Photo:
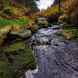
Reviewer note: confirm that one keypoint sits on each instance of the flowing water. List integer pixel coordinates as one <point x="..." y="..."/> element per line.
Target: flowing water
<point x="55" y="56"/>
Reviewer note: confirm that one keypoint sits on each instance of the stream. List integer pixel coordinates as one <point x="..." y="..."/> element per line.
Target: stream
<point x="55" y="56"/>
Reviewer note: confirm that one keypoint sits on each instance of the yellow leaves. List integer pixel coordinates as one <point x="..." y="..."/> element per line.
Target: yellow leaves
<point x="15" y="28"/>
<point x="63" y="18"/>
<point x="52" y="10"/>
<point x="30" y="25"/>
<point x="5" y="29"/>
<point x="3" y="33"/>
<point x="67" y="35"/>
<point x="70" y="8"/>
<point x="17" y="11"/>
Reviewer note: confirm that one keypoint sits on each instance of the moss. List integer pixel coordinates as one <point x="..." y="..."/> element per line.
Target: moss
<point x="73" y="30"/>
<point x="18" y="58"/>
<point x="69" y="32"/>
<point x="20" y="21"/>
<point x="4" y="70"/>
<point x="14" y="46"/>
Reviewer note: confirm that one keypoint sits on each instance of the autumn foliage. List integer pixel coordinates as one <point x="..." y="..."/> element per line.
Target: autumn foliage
<point x="70" y="8"/>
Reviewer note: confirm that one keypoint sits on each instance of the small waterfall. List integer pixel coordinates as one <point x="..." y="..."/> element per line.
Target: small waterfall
<point x="30" y="73"/>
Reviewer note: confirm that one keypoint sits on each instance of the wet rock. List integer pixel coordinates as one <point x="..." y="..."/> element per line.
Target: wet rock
<point x="15" y="54"/>
<point x="34" y="28"/>
<point x="15" y="59"/>
<point x="42" y="22"/>
<point x="22" y="33"/>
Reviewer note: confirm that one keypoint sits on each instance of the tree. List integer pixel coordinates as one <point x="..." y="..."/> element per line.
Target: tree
<point x="28" y="3"/>
<point x="5" y="3"/>
<point x="71" y="10"/>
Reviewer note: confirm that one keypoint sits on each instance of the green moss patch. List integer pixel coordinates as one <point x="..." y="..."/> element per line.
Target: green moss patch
<point x="15" y="59"/>
<point x="20" y="21"/>
<point x="14" y="47"/>
<point x="73" y="30"/>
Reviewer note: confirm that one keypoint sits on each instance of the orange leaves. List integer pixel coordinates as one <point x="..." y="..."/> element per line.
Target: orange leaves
<point x="67" y="35"/>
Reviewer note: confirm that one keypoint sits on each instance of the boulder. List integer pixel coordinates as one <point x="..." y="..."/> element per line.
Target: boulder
<point x="24" y="33"/>
<point x="15" y="60"/>
<point x="35" y="28"/>
<point x="42" y="22"/>
<point x="32" y="26"/>
<point x="15" y="55"/>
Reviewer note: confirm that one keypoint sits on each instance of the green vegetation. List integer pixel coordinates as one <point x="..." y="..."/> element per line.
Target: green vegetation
<point x="51" y="11"/>
<point x="20" y="21"/>
<point x="29" y="4"/>
<point x="73" y="30"/>
<point x="4" y="70"/>
<point x="15" y="59"/>
<point x="6" y="3"/>
<point x="69" y="32"/>
<point x="14" y="46"/>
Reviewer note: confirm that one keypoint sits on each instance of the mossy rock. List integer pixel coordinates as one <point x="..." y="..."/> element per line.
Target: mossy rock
<point x="4" y="70"/>
<point x="42" y="22"/>
<point x="24" y="33"/>
<point x="70" y="32"/>
<point x="14" y="47"/>
<point x="18" y="58"/>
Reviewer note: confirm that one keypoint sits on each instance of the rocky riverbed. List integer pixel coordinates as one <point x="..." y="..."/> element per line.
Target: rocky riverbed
<point x="56" y="57"/>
